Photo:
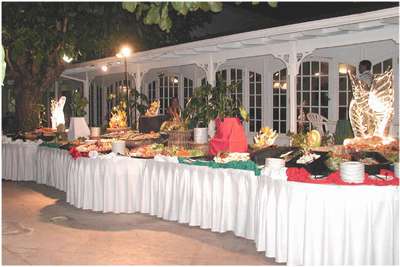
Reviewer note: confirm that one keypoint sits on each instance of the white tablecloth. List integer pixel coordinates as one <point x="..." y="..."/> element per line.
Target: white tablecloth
<point x="217" y="199"/>
<point x="19" y="161"/>
<point x="105" y="184"/>
<point x="52" y="167"/>
<point x="301" y="224"/>
<point x="310" y="224"/>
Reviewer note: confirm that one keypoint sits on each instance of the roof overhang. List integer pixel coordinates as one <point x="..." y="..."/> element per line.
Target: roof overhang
<point x="345" y="30"/>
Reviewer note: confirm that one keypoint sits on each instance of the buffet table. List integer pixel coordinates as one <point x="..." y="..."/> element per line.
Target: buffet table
<point x="293" y="222"/>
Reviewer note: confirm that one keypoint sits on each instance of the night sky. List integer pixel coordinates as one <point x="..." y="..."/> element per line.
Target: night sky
<point x="289" y="13"/>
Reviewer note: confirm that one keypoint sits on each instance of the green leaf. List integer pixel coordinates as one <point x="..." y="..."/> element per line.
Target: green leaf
<point x="204" y="6"/>
<point x="180" y="7"/>
<point x="129" y="6"/>
<point x="255" y="3"/>
<point x="273" y="4"/>
<point x="153" y="15"/>
<point x="166" y="22"/>
<point x="215" y="6"/>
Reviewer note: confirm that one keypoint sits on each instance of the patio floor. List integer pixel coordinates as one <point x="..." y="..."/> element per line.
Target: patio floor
<point x="39" y="227"/>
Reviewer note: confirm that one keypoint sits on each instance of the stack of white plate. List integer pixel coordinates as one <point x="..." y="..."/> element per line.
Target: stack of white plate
<point x="396" y="169"/>
<point x="274" y="163"/>
<point x="352" y="172"/>
<point x="118" y="147"/>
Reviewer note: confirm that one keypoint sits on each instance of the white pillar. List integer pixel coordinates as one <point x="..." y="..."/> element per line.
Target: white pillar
<point x="56" y="91"/>
<point x="211" y="72"/>
<point x="86" y="85"/>
<point x="292" y="71"/>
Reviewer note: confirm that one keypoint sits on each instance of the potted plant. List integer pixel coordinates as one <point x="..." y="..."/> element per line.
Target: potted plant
<point x="78" y="126"/>
<point x="198" y="113"/>
<point x="229" y="113"/>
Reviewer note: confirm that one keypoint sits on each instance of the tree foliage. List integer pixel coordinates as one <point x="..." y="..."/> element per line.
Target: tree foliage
<point x="36" y="35"/>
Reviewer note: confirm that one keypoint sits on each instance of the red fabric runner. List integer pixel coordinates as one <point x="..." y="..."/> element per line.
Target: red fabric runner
<point x="303" y="176"/>
<point x="229" y="137"/>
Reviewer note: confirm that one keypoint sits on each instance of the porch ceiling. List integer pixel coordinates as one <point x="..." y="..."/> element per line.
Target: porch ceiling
<point x="313" y="34"/>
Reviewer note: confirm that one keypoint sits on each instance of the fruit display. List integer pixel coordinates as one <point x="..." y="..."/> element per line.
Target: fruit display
<point x="313" y="138"/>
<point x="154" y="109"/>
<point x="118" y="116"/>
<point x="174" y="125"/>
<point x="150" y="151"/>
<point x="225" y="157"/>
<point x="102" y="146"/>
<point x="266" y="137"/>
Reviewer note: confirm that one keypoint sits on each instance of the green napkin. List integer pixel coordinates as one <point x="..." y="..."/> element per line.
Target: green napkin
<point x="240" y="165"/>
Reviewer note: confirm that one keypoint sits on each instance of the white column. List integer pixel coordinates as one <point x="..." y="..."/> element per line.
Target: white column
<point x="86" y="85"/>
<point x="292" y="71"/>
<point x="211" y="72"/>
<point x="56" y="91"/>
<point x="267" y="92"/>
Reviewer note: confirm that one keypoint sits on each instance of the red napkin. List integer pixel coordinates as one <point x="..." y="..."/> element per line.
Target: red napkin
<point x="76" y="154"/>
<point x="303" y="176"/>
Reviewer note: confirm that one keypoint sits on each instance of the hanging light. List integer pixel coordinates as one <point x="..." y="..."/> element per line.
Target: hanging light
<point x="67" y="58"/>
<point x="104" y="68"/>
<point x="125" y="51"/>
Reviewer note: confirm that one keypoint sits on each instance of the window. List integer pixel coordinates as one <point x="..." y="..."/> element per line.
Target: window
<point x="151" y="93"/>
<point x="345" y="90"/>
<point x="255" y="107"/>
<point x="187" y="90"/>
<point x="279" y="105"/>
<point x="312" y="90"/>
<point x="230" y="76"/>
<point x="168" y="89"/>
<point x="237" y="78"/>
<point x="383" y="66"/>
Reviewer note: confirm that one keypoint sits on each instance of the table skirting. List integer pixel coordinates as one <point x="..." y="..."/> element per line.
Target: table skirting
<point x="297" y="223"/>
<point x="19" y="161"/>
<point x="311" y="224"/>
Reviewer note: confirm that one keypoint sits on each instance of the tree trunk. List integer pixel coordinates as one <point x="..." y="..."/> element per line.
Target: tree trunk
<point x="27" y="103"/>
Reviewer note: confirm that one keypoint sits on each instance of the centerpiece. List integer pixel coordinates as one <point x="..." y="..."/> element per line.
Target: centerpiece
<point x="118" y="121"/>
<point x="78" y="126"/>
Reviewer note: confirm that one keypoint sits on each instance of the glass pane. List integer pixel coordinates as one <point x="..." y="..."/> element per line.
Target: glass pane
<point x="283" y="127"/>
<point x="387" y="64"/>
<point x="315" y="83"/>
<point x="276" y="114"/>
<point x="276" y="100"/>
<point x="324" y="112"/>
<point x="349" y="97"/>
<point x="251" y="101"/>
<point x="298" y="99"/>
<point x="315" y="99"/>
<point x="306" y="68"/>
<point x="275" y="76"/>
<point x="315" y="110"/>
<point x="233" y="75"/>
<point x="306" y="84"/>
<point x="251" y="126"/>
<point x="377" y="68"/>
<point x="251" y="113"/>
<point x="324" y="99"/>
<point x="251" y="77"/>
<point x="258" y="88"/>
<point x="324" y="83"/>
<point x="283" y="75"/>
<point x="239" y="74"/>
<point x="306" y="99"/>
<point x="342" y="113"/>
<point x="258" y="101"/>
<point x="298" y="83"/>
<point x="315" y="68"/>
<point x="258" y="126"/>
<point x="324" y="68"/>
<point x="283" y="114"/>
<point x="342" y="84"/>
<point x="251" y="88"/>
<point x="258" y="113"/>
<point x="283" y="100"/>
<point x="342" y="99"/>
<point x="258" y="77"/>
<point x="276" y="126"/>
